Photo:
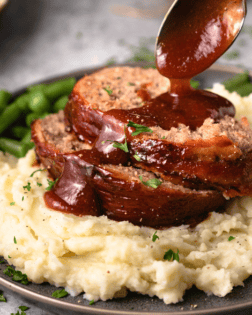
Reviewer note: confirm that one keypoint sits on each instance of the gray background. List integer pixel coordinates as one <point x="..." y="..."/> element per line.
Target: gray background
<point x="40" y="39"/>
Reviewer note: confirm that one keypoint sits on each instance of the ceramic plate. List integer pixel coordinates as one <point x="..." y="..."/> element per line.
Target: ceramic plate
<point x="239" y="301"/>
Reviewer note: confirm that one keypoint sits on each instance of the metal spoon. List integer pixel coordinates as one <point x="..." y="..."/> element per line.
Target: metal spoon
<point x="195" y="33"/>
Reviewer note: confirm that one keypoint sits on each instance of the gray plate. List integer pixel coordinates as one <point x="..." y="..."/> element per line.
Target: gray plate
<point x="239" y="301"/>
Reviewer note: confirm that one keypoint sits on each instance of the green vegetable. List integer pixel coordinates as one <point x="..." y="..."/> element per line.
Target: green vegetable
<point x="108" y="90"/>
<point x="154" y="182"/>
<point x="55" y="90"/>
<point x="231" y="238"/>
<point x="15" y="241"/>
<point x="17" y="276"/>
<point x="2" y="298"/>
<point x="9" y="116"/>
<point x="139" y="128"/>
<point x="245" y="89"/>
<point x="232" y="55"/>
<point x="12" y="203"/>
<point x="137" y="157"/>
<point x="238" y="80"/>
<point x="51" y="184"/>
<point x="155" y="237"/>
<point x="59" y="293"/>
<point x="60" y="104"/>
<point x="28" y="186"/>
<point x="36" y="88"/>
<point x="39" y="170"/>
<point x="5" y="96"/>
<point x="23" y="308"/>
<point x="171" y="255"/>
<point x="1" y="261"/>
<point x="91" y="302"/>
<point x="19" y="131"/>
<point x="194" y="84"/>
<point x="39" y="103"/>
<point x="39" y="184"/>
<point x="22" y="102"/>
<point x="13" y="147"/>
<point x="121" y="146"/>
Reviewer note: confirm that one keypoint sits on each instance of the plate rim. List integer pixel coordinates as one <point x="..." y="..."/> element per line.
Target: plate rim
<point x="28" y="293"/>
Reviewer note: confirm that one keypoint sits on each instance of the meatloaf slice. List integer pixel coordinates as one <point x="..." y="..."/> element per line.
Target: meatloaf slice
<point x="217" y="155"/>
<point x="122" y="192"/>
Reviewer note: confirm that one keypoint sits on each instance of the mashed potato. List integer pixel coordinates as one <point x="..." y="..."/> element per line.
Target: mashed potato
<point x="102" y="257"/>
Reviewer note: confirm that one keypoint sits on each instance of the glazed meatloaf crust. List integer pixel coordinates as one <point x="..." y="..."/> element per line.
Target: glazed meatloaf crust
<point x="216" y="155"/>
<point x="120" y="192"/>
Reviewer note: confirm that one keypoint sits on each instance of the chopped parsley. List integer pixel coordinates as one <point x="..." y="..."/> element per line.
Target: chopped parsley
<point x="108" y="90"/>
<point x="17" y="276"/>
<point x="59" y="293"/>
<point x="154" y="182"/>
<point x="171" y="255"/>
<point x="39" y="184"/>
<point x="231" y="238"/>
<point x="1" y="261"/>
<point x="139" y="128"/>
<point x="155" y="237"/>
<point x="163" y="137"/>
<point x="9" y="256"/>
<point x="122" y="146"/>
<point x="28" y="186"/>
<point x="23" y="309"/>
<point x="137" y="157"/>
<point x="40" y="170"/>
<point x="51" y="183"/>
<point x="23" y="198"/>
<point x="2" y="298"/>
<point x="91" y="302"/>
<point x="12" y="203"/>
<point x="15" y="241"/>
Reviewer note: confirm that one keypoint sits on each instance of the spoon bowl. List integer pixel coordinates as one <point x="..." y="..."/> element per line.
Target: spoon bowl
<point x="195" y="33"/>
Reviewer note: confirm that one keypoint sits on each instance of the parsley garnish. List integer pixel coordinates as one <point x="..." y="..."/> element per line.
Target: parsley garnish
<point x="163" y="137"/>
<point x="139" y="128"/>
<point x="1" y="261"/>
<point x="154" y="182"/>
<point x="17" y="276"/>
<point x="2" y="298"/>
<point x="130" y="84"/>
<point x="23" y="309"/>
<point x="108" y="90"/>
<point x="12" y="203"/>
<point x="51" y="183"/>
<point x="122" y="146"/>
<point x="9" y="256"/>
<point x="23" y="198"/>
<point x="155" y="237"/>
<point x="40" y="170"/>
<point x="91" y="302"/>
<point x="59" y="293"/>
<point x="137" y="157"/>
<point x="231" y="238"/>
<point x="15" y="241"/>
<point x="28" y="186"/>
<point x="39" y="184"/>
<point x="170" y="254"/>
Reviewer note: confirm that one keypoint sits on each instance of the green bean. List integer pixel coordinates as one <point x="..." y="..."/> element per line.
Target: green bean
<point x="35" y="88"/>
<point x="60" y="88"/>
<point x="5" y="96"/>
<point x="60" y="103"/>
<point x="38" y="102"/>
<point x="245" y="89"/>
<point x="32" y="116"/>
<point x="23" y="102"/>
<point x="14" y="147"/>
<point x="19" y="131"/>
<point x="27" y="137"/>
<point x="8" y="116"/>
<point x="232" y="84"/>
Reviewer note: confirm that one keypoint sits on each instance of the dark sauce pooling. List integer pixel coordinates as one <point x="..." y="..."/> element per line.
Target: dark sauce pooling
<point x="185" y="49"/>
